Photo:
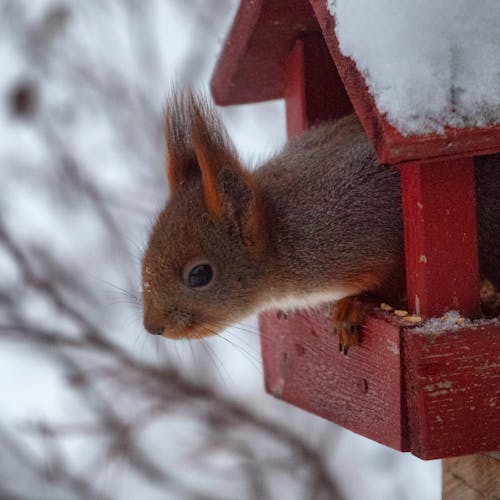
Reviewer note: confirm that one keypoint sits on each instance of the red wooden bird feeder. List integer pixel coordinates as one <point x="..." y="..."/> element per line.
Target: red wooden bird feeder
<point x="434" y="393"/>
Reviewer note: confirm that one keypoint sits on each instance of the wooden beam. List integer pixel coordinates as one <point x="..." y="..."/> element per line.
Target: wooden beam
<point x="474" y="477"/>
<point x="251" y="68"/>
<point x="314" y="91"/>
<point x="439" y="212"/>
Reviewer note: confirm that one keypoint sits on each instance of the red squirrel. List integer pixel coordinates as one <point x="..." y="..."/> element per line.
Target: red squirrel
<point x="318" y="223"/>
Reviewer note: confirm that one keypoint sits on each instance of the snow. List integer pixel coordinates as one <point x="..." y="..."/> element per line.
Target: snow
<point x="430" y="64"/>
<point x="446" y="322"/>
<point x="451" y="321"/>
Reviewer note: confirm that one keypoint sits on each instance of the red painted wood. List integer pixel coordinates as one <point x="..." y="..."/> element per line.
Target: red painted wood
<point x="251" y="65"/>
<point x="434" y="394"/>
<point x="295" y="91"/>
<point x="313" y="91"/>
<point x="453" y="391"/>
<point x="361" y="392"/>
<point x="440" y="236"/>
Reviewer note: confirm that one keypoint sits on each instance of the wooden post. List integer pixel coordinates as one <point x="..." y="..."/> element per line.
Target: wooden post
<point x="313" y="89"/>
<point x="473" y="477"/>
<point x="439" y="211"/>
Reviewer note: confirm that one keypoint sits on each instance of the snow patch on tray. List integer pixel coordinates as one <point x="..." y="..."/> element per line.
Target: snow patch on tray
<point x="429" y="64"/>
<point x="452" y="320"/>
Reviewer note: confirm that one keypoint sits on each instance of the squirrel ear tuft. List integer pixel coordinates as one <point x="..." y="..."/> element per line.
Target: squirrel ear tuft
<point x="229" y="191"/>
<point x="198" y="146"/>
<point x="181" y="159"/>
<point x="213" y="150"/>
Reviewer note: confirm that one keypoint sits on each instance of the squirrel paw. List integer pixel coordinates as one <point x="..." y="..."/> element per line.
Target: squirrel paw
<point x="346" y="316"/>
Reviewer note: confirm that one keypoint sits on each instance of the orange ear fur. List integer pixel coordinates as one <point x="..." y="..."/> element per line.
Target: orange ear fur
<point x="214" y="152"/>
<point x="198" y="146"/>
<point x="174" y="167"/>
<point x="228" y="189"/>
<point x="208" y="162"/>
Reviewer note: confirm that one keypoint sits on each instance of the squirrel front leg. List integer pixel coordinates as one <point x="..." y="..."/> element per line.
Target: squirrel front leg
<point x="347" y="315"/>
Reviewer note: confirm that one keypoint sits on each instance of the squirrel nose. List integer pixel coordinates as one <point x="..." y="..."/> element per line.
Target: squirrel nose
<point x="155" y="332"/>
<point x="153" y="327"/>
<point x="152" y="320"/>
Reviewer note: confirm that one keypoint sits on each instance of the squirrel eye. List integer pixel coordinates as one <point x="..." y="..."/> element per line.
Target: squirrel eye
<point x="200" y="275"/>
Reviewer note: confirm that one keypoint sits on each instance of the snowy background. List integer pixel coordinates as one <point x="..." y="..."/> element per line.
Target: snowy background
<point x="92" y="406"/>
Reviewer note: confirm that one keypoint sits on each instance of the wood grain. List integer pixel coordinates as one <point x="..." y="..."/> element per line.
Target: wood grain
<point x="434" y="394"/>
<point x="361" y="391"/>
<point x="474" y="477"/>
<point x="452" y="384"/>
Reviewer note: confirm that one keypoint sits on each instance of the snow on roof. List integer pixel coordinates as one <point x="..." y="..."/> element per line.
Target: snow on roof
<point x="429" y="64"/>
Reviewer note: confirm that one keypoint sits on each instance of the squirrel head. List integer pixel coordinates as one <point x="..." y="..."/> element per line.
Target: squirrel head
<point x="205" y="258"/>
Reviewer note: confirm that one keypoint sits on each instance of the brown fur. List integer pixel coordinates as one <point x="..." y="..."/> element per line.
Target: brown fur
<point x="321" y="215"/>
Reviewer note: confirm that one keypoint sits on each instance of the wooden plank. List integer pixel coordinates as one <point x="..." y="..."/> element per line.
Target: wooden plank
<point x="314" y="91"/>
<point x="475" y="477"/>
<point x="452" y="382"/>
<point x="361" y="391"/>
<point x="391" y="146"/>
<point x="439" y="214"/>
<point x="251" y="65"/>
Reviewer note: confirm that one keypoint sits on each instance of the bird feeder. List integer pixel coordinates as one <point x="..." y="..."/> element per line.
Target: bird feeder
<point x="431" y="391"/>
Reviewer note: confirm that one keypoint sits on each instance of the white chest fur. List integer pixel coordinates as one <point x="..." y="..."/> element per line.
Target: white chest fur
<point x="307" y="300"/>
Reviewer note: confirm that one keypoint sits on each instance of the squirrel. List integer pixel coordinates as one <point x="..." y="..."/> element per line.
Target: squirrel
<point x="319" y="223"/>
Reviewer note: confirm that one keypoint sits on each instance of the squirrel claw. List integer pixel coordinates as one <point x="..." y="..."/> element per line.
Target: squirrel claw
<point x="347" y="315"/>
<point x="348" y="336"/>
<point x="343" y="348"/>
